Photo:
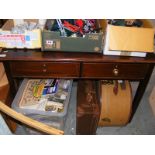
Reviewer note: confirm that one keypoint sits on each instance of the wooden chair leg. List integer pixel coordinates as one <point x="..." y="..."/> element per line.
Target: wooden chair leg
<point x="28" y="121"/>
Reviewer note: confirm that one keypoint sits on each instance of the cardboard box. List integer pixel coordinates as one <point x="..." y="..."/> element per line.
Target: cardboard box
<point x="30" y="39"/>
<point x="131" y="39"/>
<point x="52" y="41"/>
<point x="107" y="51"/>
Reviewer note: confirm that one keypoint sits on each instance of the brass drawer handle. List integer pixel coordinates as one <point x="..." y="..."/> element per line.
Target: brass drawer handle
<point x="44" y="65"/>
<point x="115" y="71"/>
<point x="44" y="70"/>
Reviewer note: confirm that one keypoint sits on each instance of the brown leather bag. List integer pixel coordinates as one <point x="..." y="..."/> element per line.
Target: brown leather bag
<point x="88" y="112"/>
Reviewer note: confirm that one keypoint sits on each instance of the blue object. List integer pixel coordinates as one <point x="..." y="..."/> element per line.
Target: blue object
<point x="4" y="130"/>
<point x="27" y="38"/>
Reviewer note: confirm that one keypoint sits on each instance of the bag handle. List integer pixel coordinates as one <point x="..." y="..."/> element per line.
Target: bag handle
<point x="29" y="121"/>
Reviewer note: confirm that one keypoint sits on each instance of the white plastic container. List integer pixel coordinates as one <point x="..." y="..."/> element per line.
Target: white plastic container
<point x="54" y="119"/>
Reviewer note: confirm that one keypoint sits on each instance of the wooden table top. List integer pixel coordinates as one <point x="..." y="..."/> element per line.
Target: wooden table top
<point x="38" y="55"/>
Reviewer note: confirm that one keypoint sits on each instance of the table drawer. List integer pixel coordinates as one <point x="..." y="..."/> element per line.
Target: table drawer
<point x="112" y="70"/>
<point x="45" y="69"/>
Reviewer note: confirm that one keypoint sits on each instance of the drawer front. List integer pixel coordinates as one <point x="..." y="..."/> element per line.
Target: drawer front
<point x="45" y="69"/>
<point x="116" y="71"/>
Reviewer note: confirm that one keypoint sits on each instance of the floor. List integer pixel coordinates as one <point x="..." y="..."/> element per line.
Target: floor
<point x="143" y="122"/>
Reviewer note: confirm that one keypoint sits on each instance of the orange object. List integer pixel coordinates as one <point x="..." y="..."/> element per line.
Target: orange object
<point x="134" y="39"/>
<point x="70" y="27"/>
<point x="115" y="109"/>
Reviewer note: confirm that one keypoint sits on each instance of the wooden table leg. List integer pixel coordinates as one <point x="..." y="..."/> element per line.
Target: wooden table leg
<point x="11" y="92"/>
<point x="12" y="83"/>
<point x="141" y="89"/>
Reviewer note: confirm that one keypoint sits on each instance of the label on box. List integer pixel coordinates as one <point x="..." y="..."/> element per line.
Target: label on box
<point x="54" y="44"/>
<point x="12" y="37"/>
<point x="12" y="40"/>
<point x="27" y="38"/>
<point x="28" y="44"/>
<point x="32" y="36"/>
<point x="93" y="37"/>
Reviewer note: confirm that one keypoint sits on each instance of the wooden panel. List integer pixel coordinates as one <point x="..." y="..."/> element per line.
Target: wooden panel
<point x="114" y="70"/>
<point x="45" y="69"/>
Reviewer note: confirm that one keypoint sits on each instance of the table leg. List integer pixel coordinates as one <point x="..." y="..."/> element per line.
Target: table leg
<point x="9" y="98"/>
<point x="141" y="89"/>
<point x="12" y="83"/>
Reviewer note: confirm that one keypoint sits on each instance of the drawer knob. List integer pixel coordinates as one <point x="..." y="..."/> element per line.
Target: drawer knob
<point x="44" y="65"/>
<point x="44" y="70"/>
<point x="115" y="71"/>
